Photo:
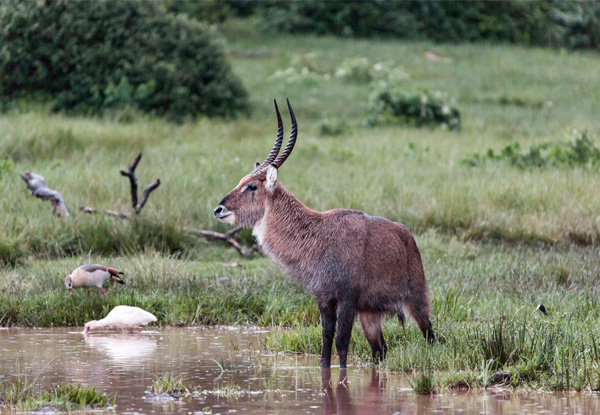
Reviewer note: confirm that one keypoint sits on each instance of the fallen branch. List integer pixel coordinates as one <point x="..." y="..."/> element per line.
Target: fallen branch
<point x="87" y="209"/>
<point x="39" y="188"/>
<point x="227" y="237"/>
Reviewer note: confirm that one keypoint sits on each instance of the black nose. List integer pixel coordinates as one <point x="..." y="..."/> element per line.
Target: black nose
<point x="218" y="210"/>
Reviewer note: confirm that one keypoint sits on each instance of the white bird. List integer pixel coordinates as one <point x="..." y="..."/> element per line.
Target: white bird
<point x="123" y="317"/>
<point x="92" y="275"/>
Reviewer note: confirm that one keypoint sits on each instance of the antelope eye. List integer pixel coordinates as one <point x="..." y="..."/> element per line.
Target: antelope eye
<point x="252" y="187"/>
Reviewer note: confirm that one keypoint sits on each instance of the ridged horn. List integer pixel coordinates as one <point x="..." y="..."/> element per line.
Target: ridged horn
<point x="292" y="141"/>
<point x="276" y="147"/>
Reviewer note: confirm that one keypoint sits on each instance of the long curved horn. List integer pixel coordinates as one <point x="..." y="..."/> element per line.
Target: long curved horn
<point x="292" y="141"/>
<point x="278" y="141"/>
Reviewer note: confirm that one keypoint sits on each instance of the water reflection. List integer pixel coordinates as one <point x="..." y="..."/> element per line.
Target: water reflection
<point x="368" y="398"/>
<point x="213" y="359"/>
<point x="126" y="349"/>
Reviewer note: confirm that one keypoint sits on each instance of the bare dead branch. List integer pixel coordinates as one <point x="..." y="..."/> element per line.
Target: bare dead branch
<point x="145" y="195"/>
<point x="38" y="187"/>
<point x="227" y="237"/>
<point x="132" y="180"/>
<point x="137" y="206"/>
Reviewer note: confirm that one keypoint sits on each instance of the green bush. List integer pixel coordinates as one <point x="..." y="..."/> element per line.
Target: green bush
<point x="89" y="57"/>
<point x="332" y="127"/>
<point x="579" y="150"/>
<point x="426" y="108"/>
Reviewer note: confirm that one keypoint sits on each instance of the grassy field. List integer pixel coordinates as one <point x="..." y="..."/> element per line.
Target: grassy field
<point x="496" y="240"/>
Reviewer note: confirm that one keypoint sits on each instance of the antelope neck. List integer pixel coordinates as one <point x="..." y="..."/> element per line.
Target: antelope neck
<point x="284" y="218"/>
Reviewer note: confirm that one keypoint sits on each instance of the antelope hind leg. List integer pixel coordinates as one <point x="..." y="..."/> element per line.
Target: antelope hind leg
<point x="371" y="325"/>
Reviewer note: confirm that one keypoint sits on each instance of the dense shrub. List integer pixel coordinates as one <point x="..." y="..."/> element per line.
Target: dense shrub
<point x="396" y="105"/>
<point x="545" y="23"/>
<point x="91" y="56"/>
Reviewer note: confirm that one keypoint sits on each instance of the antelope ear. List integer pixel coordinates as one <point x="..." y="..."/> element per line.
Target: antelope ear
<point x="271" y="180"/>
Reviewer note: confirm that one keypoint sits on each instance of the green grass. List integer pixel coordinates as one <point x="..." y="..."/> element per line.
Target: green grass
<point x="22" y="394"/>
<point x="496" y="239"/>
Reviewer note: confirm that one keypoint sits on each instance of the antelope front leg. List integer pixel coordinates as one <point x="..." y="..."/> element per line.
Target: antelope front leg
<point x="345" y="319"/>
<point x="328" y="318"/>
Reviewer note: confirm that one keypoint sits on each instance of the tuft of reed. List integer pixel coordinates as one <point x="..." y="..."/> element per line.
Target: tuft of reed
<point x="13" y="393"/>
<point x="423" y="383"/>
<point x="228" y="390"/>
<point x="168" y="383"/>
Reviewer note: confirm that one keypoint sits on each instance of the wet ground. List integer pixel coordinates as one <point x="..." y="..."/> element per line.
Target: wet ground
<point x="235" y="376"/>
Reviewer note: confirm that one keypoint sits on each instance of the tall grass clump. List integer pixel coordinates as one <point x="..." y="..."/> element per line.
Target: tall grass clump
<point x="23" y="394"/>
<point x="423" y="383"/>
<point x="170" y="384"/>
<point x="100" y="236"/>
<point x="17" y="391"/>
<point x="67" y="397"/>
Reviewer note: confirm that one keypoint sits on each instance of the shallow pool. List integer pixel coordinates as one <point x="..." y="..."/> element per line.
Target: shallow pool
<point x="229" y="366"/>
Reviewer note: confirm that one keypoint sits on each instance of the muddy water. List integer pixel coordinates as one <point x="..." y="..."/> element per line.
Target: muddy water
<point x="217" y="359"/>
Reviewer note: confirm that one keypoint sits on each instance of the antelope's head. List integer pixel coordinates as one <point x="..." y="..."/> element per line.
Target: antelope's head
<point x="246" y="204"/>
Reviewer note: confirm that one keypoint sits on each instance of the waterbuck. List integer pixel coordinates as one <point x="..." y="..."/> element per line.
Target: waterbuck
<point x="351" y="262"/>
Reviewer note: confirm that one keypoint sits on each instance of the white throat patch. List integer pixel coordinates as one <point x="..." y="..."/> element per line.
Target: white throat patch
<point x="260" y="228"/>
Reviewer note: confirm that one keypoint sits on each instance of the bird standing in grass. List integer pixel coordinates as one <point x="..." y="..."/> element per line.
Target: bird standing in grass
<point x="92" y="275"/>
<point x="123" y="317"/>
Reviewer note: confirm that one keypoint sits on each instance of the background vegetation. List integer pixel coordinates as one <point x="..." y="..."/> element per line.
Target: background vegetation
<point x="558" y="23"/>
<point x="497" y="237"/>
